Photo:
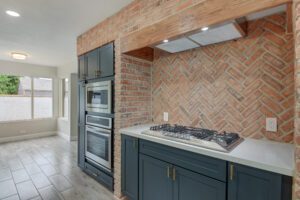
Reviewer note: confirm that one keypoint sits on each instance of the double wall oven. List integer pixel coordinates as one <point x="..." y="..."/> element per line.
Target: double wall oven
<point x="99" y="128"/>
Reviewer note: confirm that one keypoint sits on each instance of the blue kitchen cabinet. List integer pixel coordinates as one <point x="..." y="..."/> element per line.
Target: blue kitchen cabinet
<point x="246" y="183"/>
<point x="155" y="181"/>
<point x="92" y="64"/>
<point x="189" y="185"/>
<point x="81" y="68"/>
<point x="130" y="167"/>
<point x="106" y="60"/>
<point x="151" y="171"/>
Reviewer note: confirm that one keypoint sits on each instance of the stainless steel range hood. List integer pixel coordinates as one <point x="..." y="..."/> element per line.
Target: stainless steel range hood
<point x="221" y="33"/>
<point x="216" y="34"/>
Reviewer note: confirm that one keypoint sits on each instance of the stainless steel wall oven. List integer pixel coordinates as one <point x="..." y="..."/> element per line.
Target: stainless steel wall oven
<point x="98" y="141"/>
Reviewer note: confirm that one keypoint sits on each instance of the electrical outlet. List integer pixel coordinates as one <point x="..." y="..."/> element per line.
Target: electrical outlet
<point x="271" y="124"/>
<point x="166" y="116"/>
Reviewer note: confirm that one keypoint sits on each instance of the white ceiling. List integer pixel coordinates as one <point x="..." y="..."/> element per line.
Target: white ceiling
<point x="47" y="29"/>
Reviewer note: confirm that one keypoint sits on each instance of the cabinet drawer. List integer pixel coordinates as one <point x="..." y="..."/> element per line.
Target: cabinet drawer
<point x="207" y="166"/>
<point x="99" y="175"/>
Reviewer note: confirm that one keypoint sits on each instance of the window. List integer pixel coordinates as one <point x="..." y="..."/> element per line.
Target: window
<point x="15" y="98"/>
<point x="65" y="98"/>
<point x="25" y="98"/>
<point x="43" y="102"/>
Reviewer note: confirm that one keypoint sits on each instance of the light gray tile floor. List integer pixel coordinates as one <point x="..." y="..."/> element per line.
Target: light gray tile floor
<point x="7" y="188"/>
<point x="27" y="190"/>
<point x="20" y="176"/>
<point x="45" y="169"/>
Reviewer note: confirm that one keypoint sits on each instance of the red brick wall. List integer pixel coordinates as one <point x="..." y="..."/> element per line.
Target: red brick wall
<point x="232" y="86"/>
<point x="137" y="15"/>
<point x="296" y="11"/>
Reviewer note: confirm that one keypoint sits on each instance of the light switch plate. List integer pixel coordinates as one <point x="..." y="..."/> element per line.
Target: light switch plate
<point x="271" y="124"/>
<point x="166" y="116"/>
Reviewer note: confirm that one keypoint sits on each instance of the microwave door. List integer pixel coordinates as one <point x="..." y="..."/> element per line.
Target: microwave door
<point x="98" y="97"/>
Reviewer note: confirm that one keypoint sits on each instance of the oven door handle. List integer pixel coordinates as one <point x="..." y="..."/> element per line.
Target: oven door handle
<point x="94" y="129"/>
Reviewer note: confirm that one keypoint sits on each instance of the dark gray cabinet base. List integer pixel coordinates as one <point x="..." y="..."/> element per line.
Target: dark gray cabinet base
<point x="166" y="173"/>
<point x="247" y="183"/>
<point x="130" y="167"/>
<point x="99" y="176"/>
<point x="155" y="181"/>
<point x="194" y="186"/>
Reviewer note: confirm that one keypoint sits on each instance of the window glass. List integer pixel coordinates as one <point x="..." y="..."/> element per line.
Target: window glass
<point x="66" y="98"/>
<point x="43" y="98"/>
<point x="15" y="98"/>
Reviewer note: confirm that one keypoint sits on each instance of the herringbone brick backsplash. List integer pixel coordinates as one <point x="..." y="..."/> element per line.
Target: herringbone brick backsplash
<point x="232" y="86"/>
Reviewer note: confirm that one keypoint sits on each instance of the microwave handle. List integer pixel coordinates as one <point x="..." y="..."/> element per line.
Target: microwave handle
<point x="98" y="129"/>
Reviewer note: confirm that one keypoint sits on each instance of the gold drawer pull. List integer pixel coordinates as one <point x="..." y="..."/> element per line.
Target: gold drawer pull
<point x="168" y="172"/>
<point x="174" y="174"/>
<point x="231" y="171"/>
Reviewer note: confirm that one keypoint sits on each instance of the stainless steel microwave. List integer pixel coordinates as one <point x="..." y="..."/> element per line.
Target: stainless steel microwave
<point x="99" y="97"/>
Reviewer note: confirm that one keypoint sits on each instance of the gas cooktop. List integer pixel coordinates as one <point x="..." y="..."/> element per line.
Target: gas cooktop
<point x="221" y="141"/>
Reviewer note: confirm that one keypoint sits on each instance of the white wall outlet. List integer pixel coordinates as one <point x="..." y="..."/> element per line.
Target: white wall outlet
<point x="271" y="124"/>
<point x="166" y="116"/>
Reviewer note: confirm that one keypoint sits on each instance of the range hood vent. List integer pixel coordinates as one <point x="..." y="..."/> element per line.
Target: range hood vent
<point x="178" y="45"/>
<point x="216" y="35"/>
<point x="221" y="33"/>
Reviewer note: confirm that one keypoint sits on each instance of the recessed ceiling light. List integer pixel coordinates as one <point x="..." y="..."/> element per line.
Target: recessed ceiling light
<point x="12" y="13"/>
<point x="166" y="41"/>
<point x="19" y="56"/>
<point x="204" y="28"/>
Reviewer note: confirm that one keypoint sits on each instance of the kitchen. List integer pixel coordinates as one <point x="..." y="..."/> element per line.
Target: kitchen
<point x="190" y="64"/>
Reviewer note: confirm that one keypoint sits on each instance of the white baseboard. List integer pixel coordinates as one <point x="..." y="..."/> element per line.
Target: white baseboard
<point x="27" y="137"/>
<point x="67" y="137"/>
<point x="64" y="136"/>
<point x="74" y="138"/>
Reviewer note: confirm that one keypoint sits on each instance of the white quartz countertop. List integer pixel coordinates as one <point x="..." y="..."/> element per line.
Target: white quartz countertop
<point x="261" y="154"/>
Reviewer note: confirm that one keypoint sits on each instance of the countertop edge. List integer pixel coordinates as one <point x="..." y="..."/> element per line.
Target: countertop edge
<point x="211" y="153"/>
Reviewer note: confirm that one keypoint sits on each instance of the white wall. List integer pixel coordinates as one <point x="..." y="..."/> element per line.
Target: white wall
<point x="23" y="129"/>
<point x="67" y="128"/>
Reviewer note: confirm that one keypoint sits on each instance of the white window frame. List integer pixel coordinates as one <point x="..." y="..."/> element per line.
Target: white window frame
<point x="32" y="101"/>
<point x="63" y="94"/>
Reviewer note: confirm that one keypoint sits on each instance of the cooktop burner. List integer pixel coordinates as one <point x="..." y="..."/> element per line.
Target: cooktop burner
<point x="196" y="136"/>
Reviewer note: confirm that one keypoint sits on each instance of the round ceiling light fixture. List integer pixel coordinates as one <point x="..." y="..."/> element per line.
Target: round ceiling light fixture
<point x="166" y="41"/>
<point x="19" y="56"/>
<point x="12" y="13"/>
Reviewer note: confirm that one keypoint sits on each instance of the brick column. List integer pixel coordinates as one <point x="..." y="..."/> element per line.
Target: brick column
<point x="296" y="10"/>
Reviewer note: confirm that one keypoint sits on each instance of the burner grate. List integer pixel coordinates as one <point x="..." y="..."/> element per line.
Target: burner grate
<point x="188" y="133"/>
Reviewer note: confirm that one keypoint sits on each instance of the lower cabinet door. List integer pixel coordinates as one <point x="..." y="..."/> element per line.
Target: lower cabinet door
<point x="155" y="182"/>
<point x="247" y="183"/>
<point x="193" y="186"/>
<point x="130" y="167"/>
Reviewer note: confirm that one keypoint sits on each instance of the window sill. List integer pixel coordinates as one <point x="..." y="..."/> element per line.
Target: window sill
<point x="26" y="120"/>
<point x="64" y="119"/>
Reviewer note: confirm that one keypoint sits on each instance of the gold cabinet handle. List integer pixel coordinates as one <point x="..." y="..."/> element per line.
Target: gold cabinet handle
<point x="174" y="174"/>
<point x="168" y="172"/>
<point x="231" y="171"/>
